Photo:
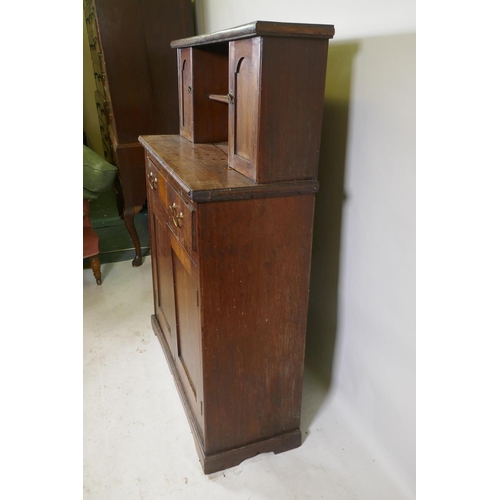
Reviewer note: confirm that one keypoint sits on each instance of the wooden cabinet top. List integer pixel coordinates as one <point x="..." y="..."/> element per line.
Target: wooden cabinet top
<point x="259" y="28"/>
<point x="201" y="171"/>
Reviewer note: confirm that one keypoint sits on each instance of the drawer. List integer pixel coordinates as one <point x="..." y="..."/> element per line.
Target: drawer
<point x="157" y="186"/>
<point x="179" y="215"/>
<point x="181" y="220"/>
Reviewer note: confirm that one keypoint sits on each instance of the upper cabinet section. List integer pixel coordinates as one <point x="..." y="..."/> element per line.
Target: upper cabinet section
<point x="260" y="87"/>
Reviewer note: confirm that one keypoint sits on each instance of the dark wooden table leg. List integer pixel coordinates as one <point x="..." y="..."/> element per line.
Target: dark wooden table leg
<point x="128" y="216"/>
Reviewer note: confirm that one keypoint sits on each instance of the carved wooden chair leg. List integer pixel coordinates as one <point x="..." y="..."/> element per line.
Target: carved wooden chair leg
<point x="95" y="264"/>
<point x="128" y="217"/>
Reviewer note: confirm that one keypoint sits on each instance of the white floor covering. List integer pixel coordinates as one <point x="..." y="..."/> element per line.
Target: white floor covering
<point x="137" y="441"/>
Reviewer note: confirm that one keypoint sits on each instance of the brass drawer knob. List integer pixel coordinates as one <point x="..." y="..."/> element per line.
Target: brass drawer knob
<point x="153" y="181"/>
<point x="177" y="218"/>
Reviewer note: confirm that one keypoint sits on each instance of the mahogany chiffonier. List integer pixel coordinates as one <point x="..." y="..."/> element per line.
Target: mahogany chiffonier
<point x="136" y="85"/>
<point x="231" y="202"/>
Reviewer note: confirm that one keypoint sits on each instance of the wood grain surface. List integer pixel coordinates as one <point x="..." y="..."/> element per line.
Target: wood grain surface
<point x="201" y="171"/>
<point x="259" y="28"/>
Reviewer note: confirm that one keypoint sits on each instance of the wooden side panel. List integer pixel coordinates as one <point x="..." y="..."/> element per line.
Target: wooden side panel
<point x="244" y="67"/>
<point x="254" y="267"/>
<point x="291" y="108"/>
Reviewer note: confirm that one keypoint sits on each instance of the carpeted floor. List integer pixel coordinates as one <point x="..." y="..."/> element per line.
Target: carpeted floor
<point x="115" y="242"/>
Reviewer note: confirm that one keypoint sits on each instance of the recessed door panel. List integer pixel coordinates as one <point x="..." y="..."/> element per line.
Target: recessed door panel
<point x="164" y="277"/>
<point x="188" y="342"/>
<point x="243" y="124"/>
<point x="185" y="93"/>
<point x="243" y="103"/>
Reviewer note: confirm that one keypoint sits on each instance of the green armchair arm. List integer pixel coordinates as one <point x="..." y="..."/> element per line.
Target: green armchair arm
<point x="98" y="174"/>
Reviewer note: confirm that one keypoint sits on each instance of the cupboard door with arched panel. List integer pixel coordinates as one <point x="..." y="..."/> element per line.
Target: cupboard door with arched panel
<point x="184" y="59"/>
<point x="244" y="64"/>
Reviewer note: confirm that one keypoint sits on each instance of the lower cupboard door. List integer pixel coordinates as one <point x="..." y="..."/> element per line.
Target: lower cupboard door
<point x="188" y="355"/>
<point x="164" y="278"/>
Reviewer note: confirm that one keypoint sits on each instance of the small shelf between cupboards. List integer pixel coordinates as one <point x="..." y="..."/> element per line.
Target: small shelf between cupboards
<point x="260" y="87"/>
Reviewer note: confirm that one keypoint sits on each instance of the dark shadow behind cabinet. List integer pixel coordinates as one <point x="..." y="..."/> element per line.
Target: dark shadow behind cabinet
<point x="136" y="80"/>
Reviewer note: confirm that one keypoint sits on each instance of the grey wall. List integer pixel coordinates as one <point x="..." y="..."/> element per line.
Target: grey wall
<point x="361" y="334"/>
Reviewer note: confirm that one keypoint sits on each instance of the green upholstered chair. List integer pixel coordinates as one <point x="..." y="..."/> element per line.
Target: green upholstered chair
<point x="98" y="174"/>
<point x="98" y="177"/>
